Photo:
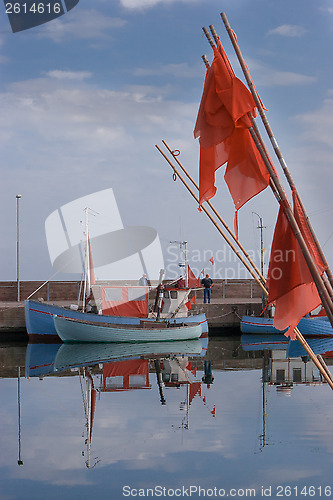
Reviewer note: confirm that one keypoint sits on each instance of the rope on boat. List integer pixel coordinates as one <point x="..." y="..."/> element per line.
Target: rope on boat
<point x="223" y="315"/>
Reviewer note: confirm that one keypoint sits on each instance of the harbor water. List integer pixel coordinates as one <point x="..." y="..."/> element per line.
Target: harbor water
<point x="229" y="418"/>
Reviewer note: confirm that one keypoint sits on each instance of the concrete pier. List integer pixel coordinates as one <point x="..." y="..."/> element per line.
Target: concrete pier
<point x="231" y="299"/>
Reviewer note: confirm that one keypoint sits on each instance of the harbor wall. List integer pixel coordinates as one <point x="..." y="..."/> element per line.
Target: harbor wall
<point x="52" y="290"/>
<point x="69" y="290"/>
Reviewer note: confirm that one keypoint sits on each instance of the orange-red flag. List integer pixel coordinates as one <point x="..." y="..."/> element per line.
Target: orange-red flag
<point x="195" y="388"/>
<point x="193" y="282"/>
<point x="188" y="304"/>
<point x="290" y="283"/>
<point x="306" y="233"/>
<point x="223" y="127"/>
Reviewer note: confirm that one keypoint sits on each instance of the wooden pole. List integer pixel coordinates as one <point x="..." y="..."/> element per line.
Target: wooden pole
<point x="273" y="140"/>
<point x="225" y="225"/>
<point x="323" y="293"/>
<point x="299" y="336"/>
<point x="205" y="60"/>
<point x="248" y="267"/>
<point x="322" y="290"/>
<point x="274" y="189"/>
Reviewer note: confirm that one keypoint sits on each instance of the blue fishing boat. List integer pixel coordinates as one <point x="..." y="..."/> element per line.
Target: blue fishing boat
<point x="309" y="326"/>
<point x="72" y="330"/>
<point x="258" y="324"/>
<point x="106" y="302"/>
<point x="39" y="316"/>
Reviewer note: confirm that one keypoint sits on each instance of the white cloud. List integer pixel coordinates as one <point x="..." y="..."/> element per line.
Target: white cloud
<point x="181" y="70"/>
<point x="289" y="30"/>
<point x="141" y="4"/>
<point x="318" y="124"/>
<point x="85" y="24"/>
<point x="327" y="9"/>
<point x="55" y="123"/>
<point x="68" y="75"/>
<point x="271" y="77"/>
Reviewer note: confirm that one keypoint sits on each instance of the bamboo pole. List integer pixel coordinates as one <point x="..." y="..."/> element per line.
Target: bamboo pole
<point x="325" y="279"/>
<point x="232" y="246"/>
<point x="323" y="293"/>
<point x="273" y="140"/>
<point x="205" y="60"/>
<point x="320" y="365"/>
<point x="322" y="290"/>
<point x="225" y="225"/>
<point x="273" y="187"/>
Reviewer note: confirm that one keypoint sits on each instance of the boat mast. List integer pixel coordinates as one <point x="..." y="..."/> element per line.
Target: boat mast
<point x="86" y="261"/>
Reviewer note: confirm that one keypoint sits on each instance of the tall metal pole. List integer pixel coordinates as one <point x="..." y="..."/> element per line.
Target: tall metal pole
<point x="261" y="227"/>
<point x="18" y="196"/>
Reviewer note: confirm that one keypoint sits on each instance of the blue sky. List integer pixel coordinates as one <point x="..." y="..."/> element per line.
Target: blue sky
<point x="85" y="98"/>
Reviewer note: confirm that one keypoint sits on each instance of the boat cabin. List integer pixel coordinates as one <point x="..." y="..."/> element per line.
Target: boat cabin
<point x="173" y="299"/>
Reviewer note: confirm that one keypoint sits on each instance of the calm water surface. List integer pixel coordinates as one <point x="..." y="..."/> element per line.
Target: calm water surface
<point x="82" y="422"/>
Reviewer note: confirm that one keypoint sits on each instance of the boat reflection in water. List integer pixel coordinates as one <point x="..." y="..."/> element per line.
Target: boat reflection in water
<point x="105" y="368"/>
<point x="286" y="363"/>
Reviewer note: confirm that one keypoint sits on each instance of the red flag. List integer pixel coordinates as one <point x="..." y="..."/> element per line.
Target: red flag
<point x="195" y="388"/>
<point x="290" y="284"/>
<point x="193" y="299"/>
<point x="223" y="127"/>
<point x="306" y="233"/>
<point x="188" y="305"/>
<point x="193" y="282"/>
<point x="211" y="260"/>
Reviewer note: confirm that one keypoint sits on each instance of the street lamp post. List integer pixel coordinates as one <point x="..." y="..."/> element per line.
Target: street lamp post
<point x="261" y="227"/>
<point x="18" y="196"/>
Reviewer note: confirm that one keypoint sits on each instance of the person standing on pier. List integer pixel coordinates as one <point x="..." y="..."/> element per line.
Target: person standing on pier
<point x="143" y="281"/>
<point x="207" y="282"/>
